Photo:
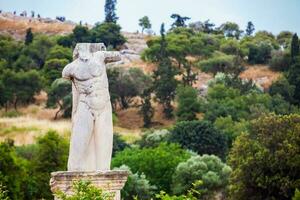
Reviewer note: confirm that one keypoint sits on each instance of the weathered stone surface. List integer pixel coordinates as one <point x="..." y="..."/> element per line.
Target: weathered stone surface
<point x="110" y="181"/>
<point x="92" y="128"/>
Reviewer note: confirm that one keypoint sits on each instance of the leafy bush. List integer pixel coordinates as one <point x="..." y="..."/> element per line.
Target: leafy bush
<point x="158" y="164"/>
<point x="221" y="63"/>
<point x="124" y="85"/>
<point x="201" y="137"/>
<point x="3" y="193"/>
<point x="12" y="174"/>
<point x="59" y="95"/>
<point x="208" y="168"/>
<point x="265" y="162"/>
<point x="230" y="128"/>
<point x="119" y="143"/>
<point x="84" y="190"/>
<point x="153" y="139"/>
<point x="283" y="88"/>
<point x="280" y="61"/>
<point x="137" y="186"/>
<point x="259" y="53"/>
<point x="188" y="103"/>
<point x="52" y="154"/>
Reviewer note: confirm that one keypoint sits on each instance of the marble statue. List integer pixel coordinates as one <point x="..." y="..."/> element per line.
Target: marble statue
<point x="92" y="128"/>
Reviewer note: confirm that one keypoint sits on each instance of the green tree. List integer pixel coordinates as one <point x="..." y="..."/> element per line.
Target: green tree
<point x="144" y="22"/>
<point x="110" y="11"/>
<point x="53" y="69"/>
<point x="52" y="154"/>
<point x="59" y="95"/>
<point x="284" y="38"/>
<point x="146" y="109"/>
<point x="188" y="103"/>
<point x="21" y="87"/>
<point x="231" y="29"/>
<point x="295" y="50"/>
<point x="250" y="28"/>
<point x="259" y="53"/>
<point x="81" y="34"/>
<point x="164" y="78"/>
<point x="158" y="163"/>
<point x="60" y="52"/>
<point x="28" y="37"/>
<point x="265" y="162"/>
<point x="109" y="33"/>
<point x="11" y="171"/>
<point x="221" y="62"/>
<point x="179" y="20"/>
<point x="293" y="79"/>
<point x="283" y="88"/>
<point x="208" y="168"/>
<point x="280" y="60"/>
<point x="124" y="85"/>
<point x="201" y="137"/>
<point x="39" y="49"/>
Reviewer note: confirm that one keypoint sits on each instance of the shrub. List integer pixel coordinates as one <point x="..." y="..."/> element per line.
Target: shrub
<point x="201" y="137"/>
<point x="230" y="128"/>
<point x="158" y="164"/>
<point x="188" y="103"/>
<point x="119" y="143"/>
<point x="153" y="139"/>
<point x="280" y="61"/>
<point x="283" y="88"/>
<point x="52" y="154"/>
<point x="84" y="190"/>
<point x="259" y="53"/>
<point x="208" y="168"/>
<point x="221" y="63"/>
<point x="265" y="162"/>
<point x="137" y="186"/>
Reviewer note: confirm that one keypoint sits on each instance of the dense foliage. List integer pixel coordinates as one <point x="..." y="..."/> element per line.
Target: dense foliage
<point x="201" y="137"/>
<point x="188" y="160"/>
<point x="265" y="162"/>
<point x="158" y="163"/>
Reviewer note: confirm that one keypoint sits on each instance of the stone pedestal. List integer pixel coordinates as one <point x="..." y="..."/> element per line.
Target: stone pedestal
<point x="109" y="181"/>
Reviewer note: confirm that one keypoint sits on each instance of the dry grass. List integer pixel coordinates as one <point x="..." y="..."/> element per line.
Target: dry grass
<point x="25" y="130"/>
<point x="17" y="26"/>
<point x="260" y="74"/>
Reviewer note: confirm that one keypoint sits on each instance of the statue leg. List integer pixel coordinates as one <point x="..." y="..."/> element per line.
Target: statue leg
<point x="82" y="135"/>
<point x="104" y="138"/>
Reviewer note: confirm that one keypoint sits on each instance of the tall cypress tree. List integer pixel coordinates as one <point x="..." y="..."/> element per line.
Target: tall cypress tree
<point x="165" y="83"/>
<point x="110" y="11"/>
<point x="250" y="28"/>
<point x="28" y="37"/>
<point x="295" y="47"/>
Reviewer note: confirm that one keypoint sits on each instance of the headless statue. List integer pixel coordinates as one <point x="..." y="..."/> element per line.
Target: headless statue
<point x="92" y="128"/>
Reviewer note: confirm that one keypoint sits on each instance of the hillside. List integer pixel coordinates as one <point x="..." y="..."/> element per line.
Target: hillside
<point x="37" y="119"/>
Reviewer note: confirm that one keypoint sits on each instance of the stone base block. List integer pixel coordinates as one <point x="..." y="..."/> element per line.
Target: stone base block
<point x="109" y="181"/>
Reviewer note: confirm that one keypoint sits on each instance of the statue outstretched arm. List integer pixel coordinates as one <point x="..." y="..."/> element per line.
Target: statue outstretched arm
<point x="111" y="56"/>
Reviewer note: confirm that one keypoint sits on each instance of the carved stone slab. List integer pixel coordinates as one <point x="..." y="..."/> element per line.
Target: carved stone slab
<point x="109" y="181"/>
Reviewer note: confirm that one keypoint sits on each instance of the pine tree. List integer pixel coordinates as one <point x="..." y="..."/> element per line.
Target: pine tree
<point x="295" y="47"/>
<point x="165" y="83"/>
<point x="28" y="37"/>
<point x="110" y="11"/>
<point x="250" y="28"/>
<point x="179" y="20"/>
<point x="146" y="109"/>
